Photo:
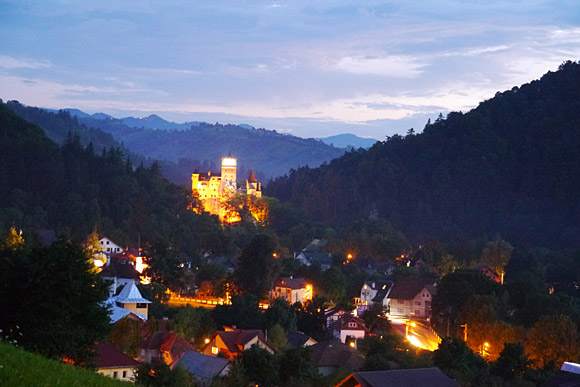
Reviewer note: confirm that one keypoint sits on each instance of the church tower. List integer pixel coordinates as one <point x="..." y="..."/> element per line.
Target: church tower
<point x="229" y="165"/>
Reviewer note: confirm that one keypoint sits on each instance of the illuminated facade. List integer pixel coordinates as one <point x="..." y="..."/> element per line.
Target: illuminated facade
<point x="214" y="190"/>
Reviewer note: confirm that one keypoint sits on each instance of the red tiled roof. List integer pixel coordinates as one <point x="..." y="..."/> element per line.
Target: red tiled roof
<point x="252" y="178"/>
<point x="236" y="340"/>
<point x="108" y="356"/>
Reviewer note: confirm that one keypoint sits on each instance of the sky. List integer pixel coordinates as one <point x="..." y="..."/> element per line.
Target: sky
<point x="309" y="68"/>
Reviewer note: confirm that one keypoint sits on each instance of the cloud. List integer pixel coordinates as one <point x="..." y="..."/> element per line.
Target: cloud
<point x="391" y="66"/>
<point x="8" y="62"/>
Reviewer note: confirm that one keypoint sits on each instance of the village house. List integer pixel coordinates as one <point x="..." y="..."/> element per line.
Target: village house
<point x="349" y="326"/>
<point x="130" y="299"/>
<point x="292" y="289"/>
<point x="163" y="347"/>
<point x="332" y="315"/>
<point x="331" y="356"/>
<point x="113" y="363"/>
<point x="109" y="247"/>
<point x="411" y="297"/>
<point x="374" y="292"/>
<point x="488" y="272"/>
<point x="232" y="342"/>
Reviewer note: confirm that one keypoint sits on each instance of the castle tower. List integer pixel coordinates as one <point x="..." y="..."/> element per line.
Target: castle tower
<point x="253" y="187"/>
<point x="229" y="165"/>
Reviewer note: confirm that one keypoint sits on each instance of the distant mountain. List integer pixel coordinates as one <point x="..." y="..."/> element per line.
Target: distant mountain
<point x="509" y="167"/>
<point x="155" y="122"/>
<point x="269" y="153"/>
<point x="348" y="140"/>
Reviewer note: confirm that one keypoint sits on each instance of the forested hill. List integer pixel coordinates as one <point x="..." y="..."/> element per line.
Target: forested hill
<point x="509" y="167"/>
<point x="71" y="189"/>
<point x="269" y="153"/>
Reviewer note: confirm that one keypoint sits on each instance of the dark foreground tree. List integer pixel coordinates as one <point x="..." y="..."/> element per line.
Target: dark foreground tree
<point x="51" y="301"/>
<point x="255" y="270"/>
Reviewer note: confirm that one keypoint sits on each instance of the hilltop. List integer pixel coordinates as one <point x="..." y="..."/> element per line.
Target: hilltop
<point x="511" y="166"/>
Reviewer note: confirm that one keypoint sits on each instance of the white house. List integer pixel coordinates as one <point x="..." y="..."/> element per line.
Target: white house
<point x="109" y="247"/>
<point x="292" y="289"/>
<point x="375" y="291"/>
<point x="349" y="325"/>
<point x="130" y="299"/>
<point x="412" y="297"/>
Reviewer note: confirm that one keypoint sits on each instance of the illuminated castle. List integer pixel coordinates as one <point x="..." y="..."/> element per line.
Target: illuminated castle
<point x="215" y="189"/>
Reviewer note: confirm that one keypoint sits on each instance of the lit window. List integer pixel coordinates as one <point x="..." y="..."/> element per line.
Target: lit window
<point x="215" y="350"/>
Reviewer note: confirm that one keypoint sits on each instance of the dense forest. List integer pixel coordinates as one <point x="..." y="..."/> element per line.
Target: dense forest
<point x="71" y="189"/>
<point x="509" y="167"/>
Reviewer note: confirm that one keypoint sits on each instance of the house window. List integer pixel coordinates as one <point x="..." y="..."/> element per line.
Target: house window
<point x="124" y="374"/>
<point x="352" y="324"/>
<point x="141" y="305"/>
<point x="417" y="312"/>
<point x="401" y="301"/>
<point x="115" y="375"/>
<point x="418" y="303"/>
<point x="215" y="350"/>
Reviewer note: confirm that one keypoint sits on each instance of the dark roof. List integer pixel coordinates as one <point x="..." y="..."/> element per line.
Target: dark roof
<point x="335" y="354"/>
<point x="166" y="341"/>
<point x="107" y="356"/>
<point x="422" y="377"/>
<point x="406" y="288"/>
<point x="315" y="246"/>
<point x="342" y="323"/>
<point x="291" y="283"/>
<point x="202" y="366"/>
<point x="321" y="258"/>
<point x="563" y="379"/>
<point x="221" y="260"/>
<point x="297" y="339"/>
<point x="120" y="269"/>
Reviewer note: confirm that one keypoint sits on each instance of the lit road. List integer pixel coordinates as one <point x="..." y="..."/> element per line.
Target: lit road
<point x="418" y="334"/>
<point x="206" y="302"/>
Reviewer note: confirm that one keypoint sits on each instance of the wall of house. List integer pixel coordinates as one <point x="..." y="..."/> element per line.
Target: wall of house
<point x="354" y="333"/>
<point x="133" y="308"/>
<point x="419" y="306"/>
<point x="121" y="373"/>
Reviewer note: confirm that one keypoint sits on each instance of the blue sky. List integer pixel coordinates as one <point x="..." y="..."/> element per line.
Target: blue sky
<point x="310" y="68"/>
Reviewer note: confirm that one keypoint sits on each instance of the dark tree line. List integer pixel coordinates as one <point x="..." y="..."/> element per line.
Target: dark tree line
<point x="510" y="166"/>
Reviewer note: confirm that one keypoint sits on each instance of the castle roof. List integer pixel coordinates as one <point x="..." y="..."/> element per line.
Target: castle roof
<point x="252" y="178"/>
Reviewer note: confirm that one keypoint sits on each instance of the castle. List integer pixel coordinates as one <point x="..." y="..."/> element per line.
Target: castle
<point x="215" y="189"/>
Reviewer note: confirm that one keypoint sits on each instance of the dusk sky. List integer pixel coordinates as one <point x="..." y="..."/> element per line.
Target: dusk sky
<point x="310" y="68"/>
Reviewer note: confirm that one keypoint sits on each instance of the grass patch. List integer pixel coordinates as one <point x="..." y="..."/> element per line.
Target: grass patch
<point x="22" y="369"/>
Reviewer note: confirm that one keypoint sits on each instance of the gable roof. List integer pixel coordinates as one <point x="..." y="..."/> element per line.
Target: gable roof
<point x="119" y="268"/>
<point x="315" y="246"/>
<point x="406" y="288"/>
<point x="343" y="323"/>
<point x="236" y="340"/>
<point x="421" y="377"/>
<point x="335" y="354"/>
<point x="131" y="294"/>
<point x="298" y="339"/>
<point x="107" y="356"/>
<point x="290" y="282"/>
<point x="202" y="366"/>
